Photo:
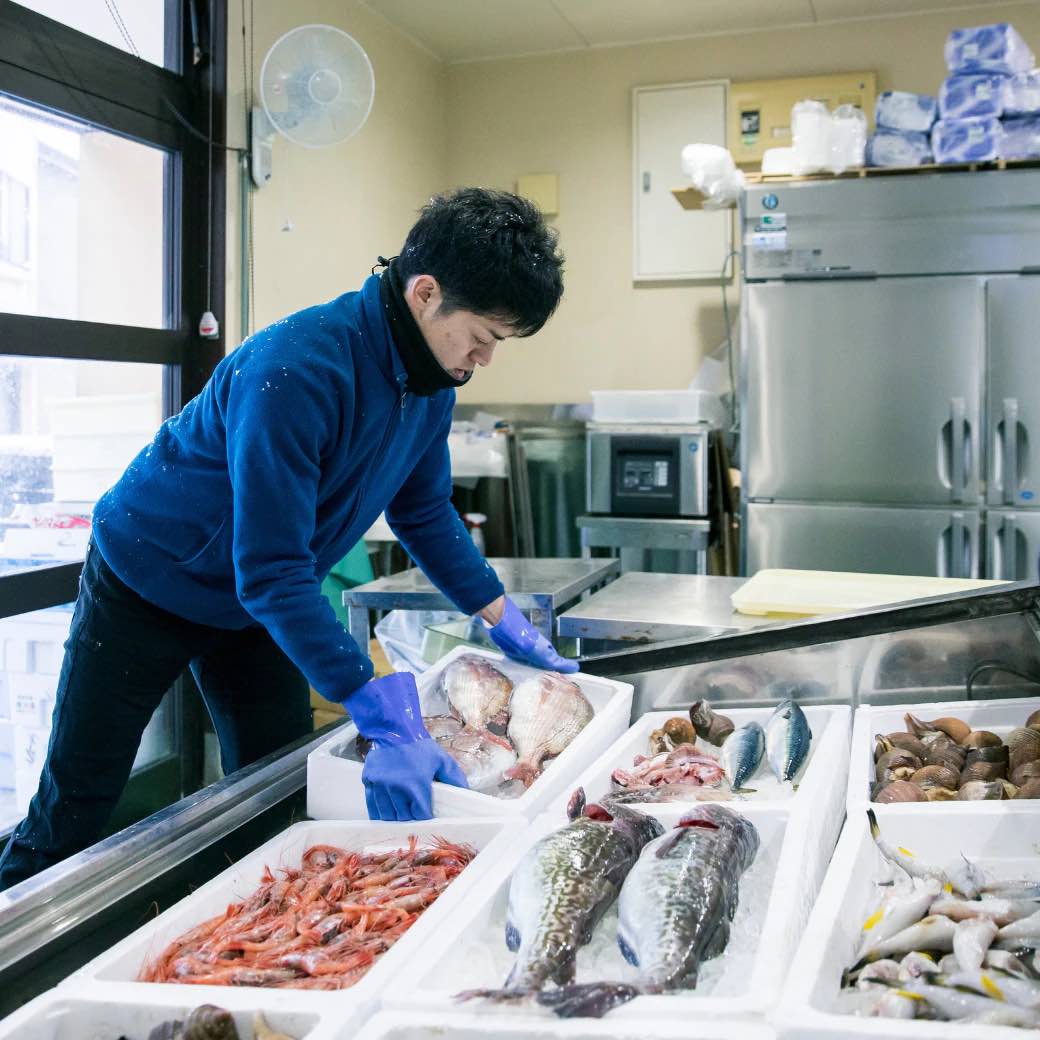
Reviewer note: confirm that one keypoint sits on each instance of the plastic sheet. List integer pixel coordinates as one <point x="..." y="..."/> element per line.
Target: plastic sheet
<point x="1022" y="94"/>
<point x="714" y="174"/>
<point x="901" y="110"/>
<point x="1020" y="138"/>
<point x="967" y="140"/>
<point x="972" y="97"/>
<point x="823" y="140"/>
<point x="988" y="48"/>
<point x="898" y="148"/>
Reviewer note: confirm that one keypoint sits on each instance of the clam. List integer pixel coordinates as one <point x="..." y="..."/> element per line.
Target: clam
<point x="886" y="776"/>
<point x="955" y="729"/>
<point x="900" y="791"/>
<point x="980" y="790"/>
<point x="709" y="724"/>
<point x="917" y="726"/>
<point x="950" y="757"/>
<point x="680" y="730"/>
<point x="1030" y="789"/>
<point x="660" y="742"/>
<point x="987" y="754"/>
<point x="1034" y="719"/>
<point x="941" y="794"/>
<point x="981" y="738"/>
<point x="1025" y="772"/>
<point x="1024" y="745"/>
<point x="906" y="741"/>
<point x="983" y="771"/>
<point x="936" y="776"/>
<point x="895" y="759"/>
<point x="1010" y="790"/>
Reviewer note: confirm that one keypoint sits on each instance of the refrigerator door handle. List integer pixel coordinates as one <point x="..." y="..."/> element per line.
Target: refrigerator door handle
<point x="1009" y="450"/>
<point x="1008" y="545"/>
<point x="958" y="449"/>
<point x="950" y="549"/>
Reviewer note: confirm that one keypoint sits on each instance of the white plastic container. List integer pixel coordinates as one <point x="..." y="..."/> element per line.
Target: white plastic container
<point x="403" y="1025"/>
<point x="820" y="777"/>
<point x="66" y="1014"/>
<point x="335" y="791"/>
<point x="1002" y="843"/>
<point x="775" y="898"/>
<point x="657" y="406"/>
<point x="998" y="716"/>
<point x="112" y="975"/>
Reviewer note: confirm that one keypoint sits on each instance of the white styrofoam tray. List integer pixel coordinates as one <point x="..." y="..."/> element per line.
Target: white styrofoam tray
<point x="112" y="975"/>
<point x="998" y="716"/>
<point x="824" y="769"/>
<point x="335" y="791"/>
<point x="1005" y="843"/>
<point x="775" y="899"/>
<point x="67" y="1013"/>
<point x="405" y="1025"/>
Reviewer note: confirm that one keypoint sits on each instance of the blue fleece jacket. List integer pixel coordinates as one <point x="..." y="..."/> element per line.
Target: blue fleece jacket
<point x="243" y="502"/>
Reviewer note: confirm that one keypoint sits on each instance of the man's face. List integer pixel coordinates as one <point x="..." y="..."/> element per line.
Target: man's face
<point x="460" y="340"/>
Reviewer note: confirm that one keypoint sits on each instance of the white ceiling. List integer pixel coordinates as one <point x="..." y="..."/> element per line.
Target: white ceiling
<point x="472" y="30"/>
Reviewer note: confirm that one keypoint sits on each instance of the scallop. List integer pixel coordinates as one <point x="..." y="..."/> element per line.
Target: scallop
<point x="981" y="738"/>
<point x="1024" y="745"/>
<point x="1025" y="772"/>
<point x="900" y="791"/>
<point x="987" y="754"/>
<point x="936" y="776"/>
<point x="980" y="790"/>
<point x="955" y="729"/>
<point x="1030" y="789"/>
<point x="983" y="771"/>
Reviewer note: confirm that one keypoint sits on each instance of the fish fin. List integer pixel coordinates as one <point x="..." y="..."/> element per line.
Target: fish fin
<point x="496" y="996"/>
<point x="875" y="830"/>
<point x="717" y="943"/>
<point x="745" y="790"/>
<point x="576" y="804"/>
<point x="589" y="1000"/>
<point x="627" y="951"/>
<point x="512" y="936"/>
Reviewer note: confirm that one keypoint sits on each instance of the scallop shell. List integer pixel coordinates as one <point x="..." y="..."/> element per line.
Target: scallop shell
<point x="908" y="742"/>
<point x="936" y="776"/>
<point x="981" y="738"/>
<point x="1024" y="744"/>
<point x="1025" y="772"/>
<point x="941" y="794"/>
<point x="1034" y="719"/>
<point x="945" y="756"/>
<point x="980" y="790"/>
<point x="987" y="754"/>
<point x="680" y="730"/>
<point x="955" y="729"/>
<point x="1030" y="789"/>
<point x="900" y="791"/>
<point x="983" y="771"/>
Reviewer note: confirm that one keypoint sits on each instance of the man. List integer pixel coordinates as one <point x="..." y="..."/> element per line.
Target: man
<point x="210" y="551"/>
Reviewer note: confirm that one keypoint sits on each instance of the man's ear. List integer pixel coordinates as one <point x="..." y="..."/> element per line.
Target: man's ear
<point x="423" y="292"/>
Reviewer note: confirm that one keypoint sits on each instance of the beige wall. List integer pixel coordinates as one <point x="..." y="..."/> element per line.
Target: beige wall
<point x="571" y="114"/>
<point x="350" y="202"/>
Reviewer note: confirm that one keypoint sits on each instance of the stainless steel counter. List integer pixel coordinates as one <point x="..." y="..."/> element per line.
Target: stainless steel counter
<point x="539" y="587"/>
<point x="645" y="608"/>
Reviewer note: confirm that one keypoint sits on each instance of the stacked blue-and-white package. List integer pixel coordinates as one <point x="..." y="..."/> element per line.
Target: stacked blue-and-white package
<point x="1022" y="94"/>
<point x="966" y="140"/>
<point x="988" y="48"/>
<point x="1020" y="138"/>
<point x="977" y="96"/>
<point x="901" y="110"/>
<point x="898" y="148"/>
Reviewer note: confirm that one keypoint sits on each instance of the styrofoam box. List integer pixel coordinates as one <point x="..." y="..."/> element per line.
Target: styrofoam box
<point x="776" y="893"/>
<point x="1003" y="843"/>
<point x="660" y="406"/>
<point x="826" y="764"/>
<point x="998" y="716"/>
<point x="404" y="1025"/>
<point x="64" y="1014"/>
<point x="335" y="791"/>
<point x="113" y="974"/>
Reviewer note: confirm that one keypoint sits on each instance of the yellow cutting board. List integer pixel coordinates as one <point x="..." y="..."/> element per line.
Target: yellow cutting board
<point x="805" y="593"/>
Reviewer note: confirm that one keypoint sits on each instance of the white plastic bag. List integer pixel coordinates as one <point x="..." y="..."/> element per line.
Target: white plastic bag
<point x="714" y="174"/>
<point x="823" y="140"/>
<point x="401" y="632"/>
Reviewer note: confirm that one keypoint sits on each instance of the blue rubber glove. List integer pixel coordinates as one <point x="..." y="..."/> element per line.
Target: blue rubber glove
<point x="404" y="759"/>
<point x="518" y="639"/>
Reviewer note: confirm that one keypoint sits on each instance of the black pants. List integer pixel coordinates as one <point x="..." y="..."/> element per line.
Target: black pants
<point x="121" y="656"/>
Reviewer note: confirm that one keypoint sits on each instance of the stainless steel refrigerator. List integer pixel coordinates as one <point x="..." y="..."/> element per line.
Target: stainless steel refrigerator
<point x="890" y="374"/>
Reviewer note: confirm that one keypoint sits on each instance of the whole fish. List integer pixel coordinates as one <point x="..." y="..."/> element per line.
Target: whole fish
<point x="899" y="909"/>
<point x="787" y="740"/>
<point x="483" y="757"/>
<point x="561" y="889"/>
<point x="1006" y="961"/>
<point x="930" y="933"/>
<point x="1012" y="889"/>
<point x="742" y="753"/>
<point x="477" y="692"/>
<point x="547" y="713"/>
<point x="1024" y="993"/>
<point x="956" y="1004"/>
<point x="1021" y="934"/>
<point x="971" y="939"/>
<point x="674" y="910"/>
<point x="916" y="965"/>
<point x="1000" y="911"/>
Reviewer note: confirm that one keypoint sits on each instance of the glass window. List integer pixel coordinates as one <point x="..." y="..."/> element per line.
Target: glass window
<point x="67" y="431"/>
<point x="31" y="653"/>
<point x="135" y="26"/>
<point x="81" y="221"/>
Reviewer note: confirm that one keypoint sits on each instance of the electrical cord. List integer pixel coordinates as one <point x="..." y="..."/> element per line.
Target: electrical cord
<point x="996" y="666"/>
<point x="734" y="398"/>
<point x="113" y="10"/>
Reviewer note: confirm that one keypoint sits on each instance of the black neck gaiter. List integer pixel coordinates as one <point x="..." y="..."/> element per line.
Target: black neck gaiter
<point x="426" y="376"/>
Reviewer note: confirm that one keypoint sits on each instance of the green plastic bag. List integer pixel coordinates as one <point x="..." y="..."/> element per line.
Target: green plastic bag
<point x="354" y="569"/>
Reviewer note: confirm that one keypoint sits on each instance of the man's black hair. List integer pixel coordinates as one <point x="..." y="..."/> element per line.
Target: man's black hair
<point x="491" y="252"/>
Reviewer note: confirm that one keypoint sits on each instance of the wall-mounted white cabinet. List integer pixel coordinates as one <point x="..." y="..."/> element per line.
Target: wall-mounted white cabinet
<point x="670" y="243"/>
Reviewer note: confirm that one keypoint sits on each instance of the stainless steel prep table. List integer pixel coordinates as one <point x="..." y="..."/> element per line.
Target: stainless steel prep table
<point x="641" y="607"/>
<point x="539" y="587"/>
<point x="632" y="537"/>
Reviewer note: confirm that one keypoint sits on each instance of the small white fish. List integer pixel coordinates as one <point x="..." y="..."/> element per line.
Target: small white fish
<point x="872" y="975"/>
<point x="956" y="1004"/>
<point x="964" y="879"/>
<point x="916" y="965"/>
<point x="899" y="909"/>
<point x="1006" y="961"/>
<point x="1023" y="993"/>
<point x="1000" y="911"/>
<point x="971" y="939"/>
<point x="930" y="933"/>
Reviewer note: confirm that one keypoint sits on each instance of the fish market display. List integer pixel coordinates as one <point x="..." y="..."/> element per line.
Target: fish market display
<point x="483" y="757"/>
<point x="682" y="766"/>
<point x="546" y="713"/>
<point x="209" y="1022"/>
<point x="477" y="692"/>
<point x="321" y="925"/>
<point x="946" y="944"/>
<point x="946" y="760"/>
<point x="561" y="889"/>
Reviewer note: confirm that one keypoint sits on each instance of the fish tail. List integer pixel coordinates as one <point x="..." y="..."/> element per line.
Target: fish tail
<point x="496" y="996"/>
<point x="588" y="1000"/>
<point x="875" y="829"/>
